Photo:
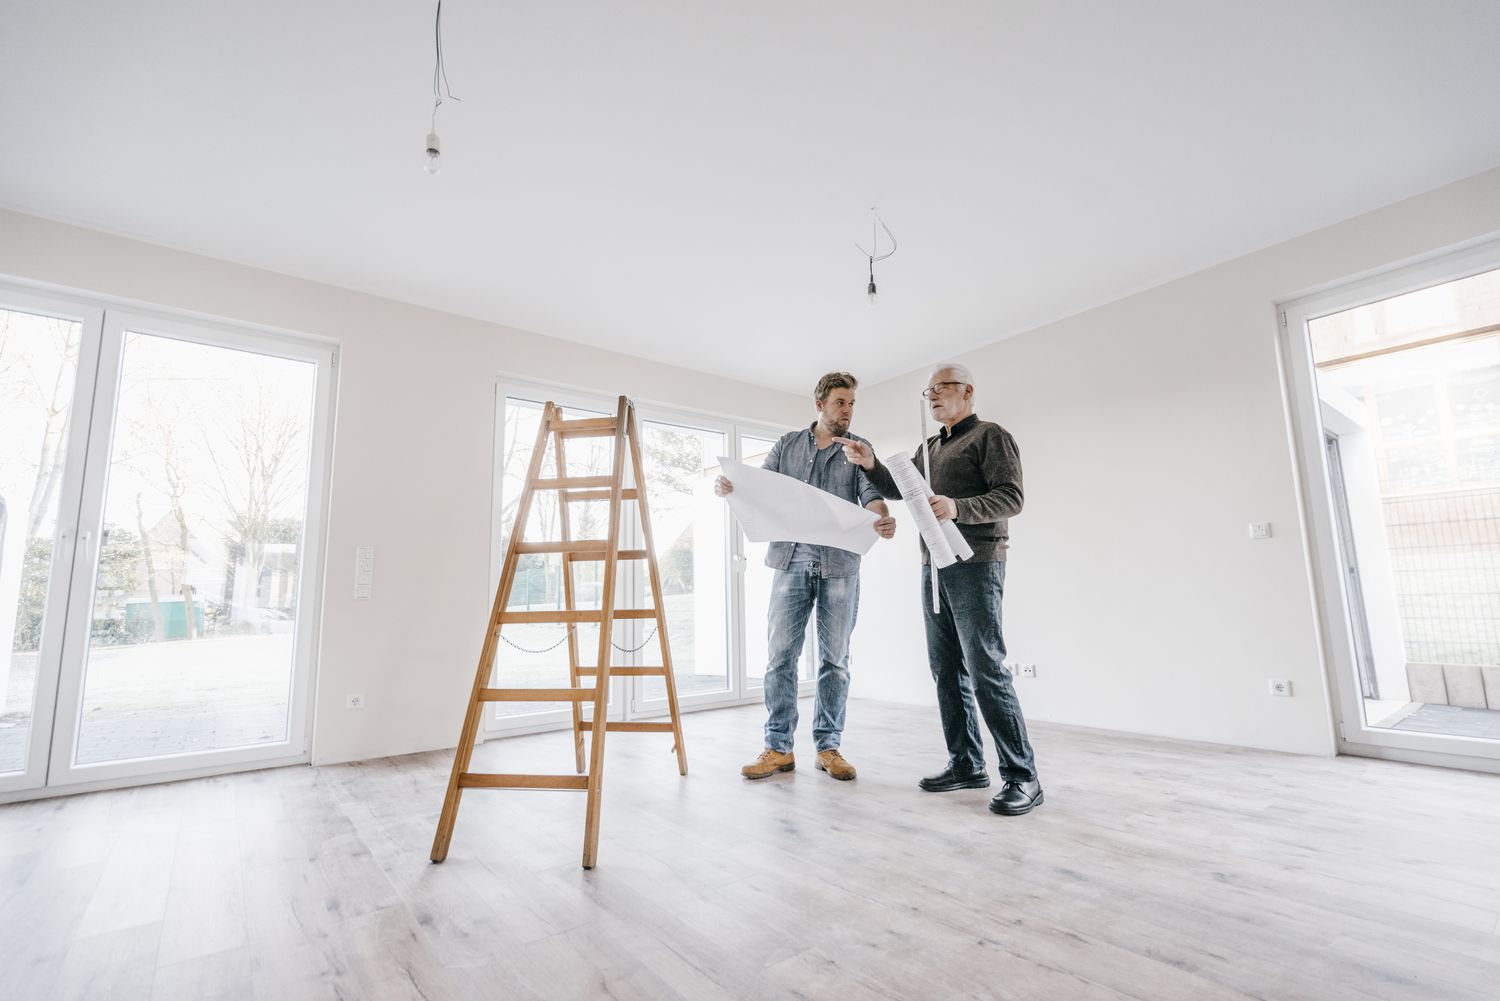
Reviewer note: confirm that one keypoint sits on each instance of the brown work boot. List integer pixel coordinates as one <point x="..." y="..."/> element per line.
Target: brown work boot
<point x="832" y="762"/>
<point x="769" y="763"/>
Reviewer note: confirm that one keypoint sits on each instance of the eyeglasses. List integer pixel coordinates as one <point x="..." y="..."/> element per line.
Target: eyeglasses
<point x="936" y="389"/>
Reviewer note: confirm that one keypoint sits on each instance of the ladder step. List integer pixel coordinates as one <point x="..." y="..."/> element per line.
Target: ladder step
<point x="585" y="427"/>
<point x="638" y="727"/>
<point x="577" y="615"/>
<point x="493" y="780"/>
<point x="625" y="554"/>
<point x="625" y="672"/>
<point x="558" y="616"/>
<point x="599" y="547"/>
<point x="571" y="482"/>
<point x="629" y="493"/>
<point x="536" y="695"/>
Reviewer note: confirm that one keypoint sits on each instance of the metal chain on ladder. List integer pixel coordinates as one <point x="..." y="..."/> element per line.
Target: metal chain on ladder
<point x="548" y="649"/>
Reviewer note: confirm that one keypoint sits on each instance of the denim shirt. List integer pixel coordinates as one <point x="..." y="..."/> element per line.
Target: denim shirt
<point x="796" y="454"/>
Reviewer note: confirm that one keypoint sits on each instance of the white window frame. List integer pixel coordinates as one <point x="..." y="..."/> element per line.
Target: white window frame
<point x="627" y="700"/>
<point x="1318" y="523"/>
<point x="66" y="547"/>
<point x="85" y="482"/>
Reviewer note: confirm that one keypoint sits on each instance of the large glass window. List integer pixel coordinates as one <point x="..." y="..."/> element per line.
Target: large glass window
<point x="1405" y="391"/>
<point x="161" y="486"/>
<point x="690" y="526"/>
<point x="200" y="563"/>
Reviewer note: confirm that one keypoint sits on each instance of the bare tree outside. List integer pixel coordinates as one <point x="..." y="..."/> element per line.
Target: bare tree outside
<point x="258" y="459"/>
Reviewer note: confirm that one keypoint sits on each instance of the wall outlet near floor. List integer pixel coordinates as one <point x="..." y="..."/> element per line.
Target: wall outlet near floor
<point x="1028" y="670"/>
<point x="1281" y="687"/>
<point x="355" y="701"/>
<point x="1260" y="530"/>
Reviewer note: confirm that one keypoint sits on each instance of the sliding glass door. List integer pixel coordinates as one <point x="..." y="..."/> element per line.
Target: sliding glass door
<point x="168" y="579"/>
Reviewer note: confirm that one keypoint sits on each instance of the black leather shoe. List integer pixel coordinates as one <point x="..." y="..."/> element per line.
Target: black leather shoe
<point x="1017" y="798"/>
<point x="947" y="780"/>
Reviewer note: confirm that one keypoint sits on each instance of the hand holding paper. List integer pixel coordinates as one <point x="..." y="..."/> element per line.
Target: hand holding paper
<point x="944" y="542"/>
<point x="772" y="507"/>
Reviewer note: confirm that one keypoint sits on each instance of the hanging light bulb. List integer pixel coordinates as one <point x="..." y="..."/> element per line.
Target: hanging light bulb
<point x="434" y="162"/>
<point x="873" y="254"/>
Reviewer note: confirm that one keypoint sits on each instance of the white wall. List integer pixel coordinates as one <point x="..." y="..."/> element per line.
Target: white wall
<point x="412" y="466"/>
<point x="1152" y="431"/>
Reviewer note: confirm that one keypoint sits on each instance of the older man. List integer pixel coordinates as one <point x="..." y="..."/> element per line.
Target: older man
<point x="808" y="576"/>
<point x="976" y="480"/>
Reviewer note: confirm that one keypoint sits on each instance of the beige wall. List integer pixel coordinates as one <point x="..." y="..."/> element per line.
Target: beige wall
<point x="412" y="460"/>
<point x="1152" y="432"/>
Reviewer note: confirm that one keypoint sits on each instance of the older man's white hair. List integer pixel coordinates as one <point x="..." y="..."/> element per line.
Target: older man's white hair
<point x="959" y="372"/>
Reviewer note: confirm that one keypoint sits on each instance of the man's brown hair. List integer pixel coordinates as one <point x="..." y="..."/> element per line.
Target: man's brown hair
<point x="832" y="381"/>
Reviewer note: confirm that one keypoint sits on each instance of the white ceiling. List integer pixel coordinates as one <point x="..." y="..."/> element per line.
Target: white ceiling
<point x="686" y="181"/>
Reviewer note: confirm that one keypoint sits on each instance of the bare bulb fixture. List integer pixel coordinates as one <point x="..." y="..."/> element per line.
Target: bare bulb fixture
<point x="433" y="163"/>
<point x="873" y="254"/>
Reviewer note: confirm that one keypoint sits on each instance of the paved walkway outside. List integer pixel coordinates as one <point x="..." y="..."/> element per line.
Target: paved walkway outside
<point x="1456" y="721"/>
<point x="165" y="698"/>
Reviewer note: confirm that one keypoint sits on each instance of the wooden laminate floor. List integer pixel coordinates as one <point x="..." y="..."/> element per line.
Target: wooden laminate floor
<point x="1157" y="870"/>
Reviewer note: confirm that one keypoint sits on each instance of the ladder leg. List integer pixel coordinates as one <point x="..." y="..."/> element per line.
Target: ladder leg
<point x="461" y="756"/>
<point x="677" y="745"/>
<point x="470" y="732"/>
<point x="596" y="782"/>
<point x="567" y="572"/>
<point x="606" y="638"/>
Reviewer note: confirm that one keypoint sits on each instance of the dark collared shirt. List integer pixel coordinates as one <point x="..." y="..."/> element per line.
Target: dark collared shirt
<point x="978" y="464"/>
<point x="797" y="454"/>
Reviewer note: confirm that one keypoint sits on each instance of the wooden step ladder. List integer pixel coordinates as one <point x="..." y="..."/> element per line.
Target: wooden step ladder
<point x="624" y="430"/>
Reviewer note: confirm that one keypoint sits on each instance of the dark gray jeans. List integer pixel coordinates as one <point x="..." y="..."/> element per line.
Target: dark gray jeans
<point x="966" y="651"/>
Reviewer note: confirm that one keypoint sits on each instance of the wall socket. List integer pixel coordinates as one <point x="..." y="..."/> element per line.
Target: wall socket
<point x="1260" y="530"/>
<point x="1028" y="670"/>
<point x="1281" y="687"/>
<point x="355" y="701"/>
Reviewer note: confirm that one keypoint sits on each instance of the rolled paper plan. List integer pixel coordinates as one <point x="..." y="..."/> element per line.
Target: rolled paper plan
<point x="945" y="544"/>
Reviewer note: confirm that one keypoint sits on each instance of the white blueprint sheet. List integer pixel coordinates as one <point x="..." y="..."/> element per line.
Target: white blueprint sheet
<point x="774" y="507"/>
<point x="945" y="544"/>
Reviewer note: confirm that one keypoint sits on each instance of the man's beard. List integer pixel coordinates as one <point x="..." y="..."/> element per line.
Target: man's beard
<point x="839" y="428"/>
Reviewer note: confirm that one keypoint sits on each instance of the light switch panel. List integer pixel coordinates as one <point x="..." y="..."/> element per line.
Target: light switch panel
<point x="364" y="572"/>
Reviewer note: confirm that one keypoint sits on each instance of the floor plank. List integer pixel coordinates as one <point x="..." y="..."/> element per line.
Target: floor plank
<point x="1157" y="870"/>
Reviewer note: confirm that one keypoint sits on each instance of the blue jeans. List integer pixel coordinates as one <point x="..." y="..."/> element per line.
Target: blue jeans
<point x="794" y="592"/>
<point x="966" y="650"/>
